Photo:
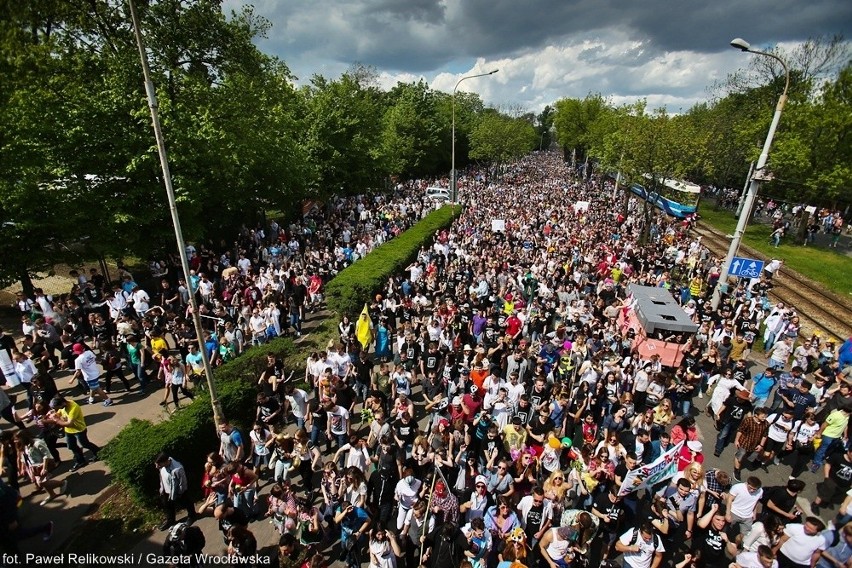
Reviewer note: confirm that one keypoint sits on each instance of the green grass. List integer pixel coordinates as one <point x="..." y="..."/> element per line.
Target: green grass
<point x="828" y="267"/>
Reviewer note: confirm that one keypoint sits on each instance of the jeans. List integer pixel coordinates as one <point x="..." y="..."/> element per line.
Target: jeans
<point x="685" y="406"/>
<point x="825" y="445"/>
<point x="760" y="402"/>
<point x="723" y="438"/>
<point x="317" y="435"/>
<point x="80" y="439"/>
<point x="139" y="373"/>
<point x="296" y="322"/>
<point x="769" y="340"/>
<point x="360" y="389"/>
<point x="282" y="470"/>
<point x="702" y="385"/>
<point x="245" y="501"/>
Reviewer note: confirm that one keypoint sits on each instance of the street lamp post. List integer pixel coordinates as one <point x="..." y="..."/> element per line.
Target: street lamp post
<point x="218" y="417"/>
<point x="453" y="186"/>
<point x="757" y="176"/>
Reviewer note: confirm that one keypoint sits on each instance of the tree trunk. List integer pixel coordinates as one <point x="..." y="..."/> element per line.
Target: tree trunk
<point x="646" y="227"/>
<point x="802" y="233"/>
<point x="27" y="283"/>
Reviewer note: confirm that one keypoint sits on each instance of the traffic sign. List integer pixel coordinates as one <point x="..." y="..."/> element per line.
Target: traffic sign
<point x="746" y="267"/>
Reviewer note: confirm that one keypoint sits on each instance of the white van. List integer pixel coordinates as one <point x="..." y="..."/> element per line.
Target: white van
<point x="437" y="193"/>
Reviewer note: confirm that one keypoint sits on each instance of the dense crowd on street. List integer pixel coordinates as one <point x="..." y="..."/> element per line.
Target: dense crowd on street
<point x="487" y="408"/>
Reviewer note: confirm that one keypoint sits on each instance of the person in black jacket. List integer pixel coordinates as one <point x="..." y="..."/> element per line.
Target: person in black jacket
<point x="444" y="546"/>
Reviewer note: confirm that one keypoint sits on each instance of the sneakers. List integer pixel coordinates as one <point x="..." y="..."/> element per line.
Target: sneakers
<point x="700" y="395"/>
<point x="49" y="534"/>
<point x="91" y="400"/>
<point x="77" y="466"/>
<point x="165" y="526"/>
<point x="814" y="467"/>
<point x="108" y="402"/>
<point x="46" y="500"/>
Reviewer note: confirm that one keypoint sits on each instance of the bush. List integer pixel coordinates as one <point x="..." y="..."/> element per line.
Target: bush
<point x="190" y="434"/>
<point x="353" y="287"/>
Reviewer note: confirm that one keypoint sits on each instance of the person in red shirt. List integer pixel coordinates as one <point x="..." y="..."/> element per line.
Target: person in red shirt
<point x="472" y="401"/>
<point x="514" y="325"/>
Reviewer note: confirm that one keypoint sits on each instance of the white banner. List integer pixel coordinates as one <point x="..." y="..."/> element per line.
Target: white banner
<point x="647" y="476"/>
<point x="498" y="225"/>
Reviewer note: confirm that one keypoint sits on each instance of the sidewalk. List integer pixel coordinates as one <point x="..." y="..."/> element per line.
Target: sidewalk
<point x="89" y="487"/>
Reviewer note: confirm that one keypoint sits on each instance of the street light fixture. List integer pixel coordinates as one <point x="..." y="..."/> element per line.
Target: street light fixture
<point x="756" y="178"/>
<point x="453" y="184"/>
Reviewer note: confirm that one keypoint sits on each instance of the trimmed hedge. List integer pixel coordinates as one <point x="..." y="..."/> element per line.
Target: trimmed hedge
<point x="189" y="435"/>
<point x="347" y="292"/>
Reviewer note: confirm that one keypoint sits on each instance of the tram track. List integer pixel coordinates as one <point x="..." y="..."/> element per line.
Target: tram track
<point x="816" y="307"/>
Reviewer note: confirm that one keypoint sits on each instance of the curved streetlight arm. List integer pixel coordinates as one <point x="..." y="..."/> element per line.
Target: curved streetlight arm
<point x="783" y="65"/>
<point x="453" y="186"/>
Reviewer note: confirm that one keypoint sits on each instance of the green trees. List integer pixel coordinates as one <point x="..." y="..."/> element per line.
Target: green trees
<point x="714" y="141"/>
<point x="499" y="139"/>
<point x="79" y="171"/>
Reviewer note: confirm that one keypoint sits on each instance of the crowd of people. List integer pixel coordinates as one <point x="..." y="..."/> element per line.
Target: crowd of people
<point x="787" y="218"/>
<point x="488" y="408"/>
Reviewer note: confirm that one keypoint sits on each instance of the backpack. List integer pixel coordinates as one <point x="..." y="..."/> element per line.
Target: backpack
<point x="112" y="360"/>
<point x="635" y="538"/>
<point x="184" y="539"/>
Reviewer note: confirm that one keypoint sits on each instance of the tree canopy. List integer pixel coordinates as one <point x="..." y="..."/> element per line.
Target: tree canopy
<point x="79" y="171"/>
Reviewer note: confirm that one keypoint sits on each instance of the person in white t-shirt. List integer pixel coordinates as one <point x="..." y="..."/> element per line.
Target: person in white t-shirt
<point x="141" y="300"/>
<point x="642" y="547"/>
<point x="86" y="370"/>
<point x="762" y="558"/>
<point x="742" y="500"/>
<point x="801" y="544"/>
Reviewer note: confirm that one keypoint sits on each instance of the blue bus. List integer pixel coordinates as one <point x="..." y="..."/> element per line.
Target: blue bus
<point x="676" y="197"/>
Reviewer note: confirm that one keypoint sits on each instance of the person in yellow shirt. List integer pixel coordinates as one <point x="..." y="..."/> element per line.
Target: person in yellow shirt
<point x="833" y="429"/>
<point x="158" y="343"/>
<point x="69" y="415"/>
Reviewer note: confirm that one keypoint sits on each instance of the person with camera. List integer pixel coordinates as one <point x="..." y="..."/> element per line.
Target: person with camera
<point x="354" y="523"/>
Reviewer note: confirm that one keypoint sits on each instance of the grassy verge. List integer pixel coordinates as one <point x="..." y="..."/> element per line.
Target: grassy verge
<point x="828" y="267"/>
<point x="119" y="522"/>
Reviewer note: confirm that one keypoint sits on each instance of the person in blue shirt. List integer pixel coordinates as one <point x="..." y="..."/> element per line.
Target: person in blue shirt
<point x="354" y="523"/>
<point x="762" y="387"/>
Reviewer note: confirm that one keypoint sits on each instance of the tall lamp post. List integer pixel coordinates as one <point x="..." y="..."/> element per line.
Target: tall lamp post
<point x="757" y="176"/>
<point x="453" y="185"/>
<point x="218" y="417"/>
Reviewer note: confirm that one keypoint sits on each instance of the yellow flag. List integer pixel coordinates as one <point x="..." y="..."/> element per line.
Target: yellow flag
<point x="364" y="328"/>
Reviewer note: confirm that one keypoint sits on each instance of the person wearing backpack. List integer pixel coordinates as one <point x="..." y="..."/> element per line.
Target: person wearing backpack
<point x="642" y="547"/>
<point x="185" y="543"/>
<point x="113" y="366"/>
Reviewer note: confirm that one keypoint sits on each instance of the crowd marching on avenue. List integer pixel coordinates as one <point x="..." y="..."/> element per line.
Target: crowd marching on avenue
<point x="487" y="408"/>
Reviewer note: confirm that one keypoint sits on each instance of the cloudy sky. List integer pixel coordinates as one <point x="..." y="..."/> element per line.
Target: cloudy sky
<point x="668" y="52"/>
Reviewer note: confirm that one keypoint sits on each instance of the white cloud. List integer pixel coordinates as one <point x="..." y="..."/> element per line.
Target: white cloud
<point x="545" y="49"/>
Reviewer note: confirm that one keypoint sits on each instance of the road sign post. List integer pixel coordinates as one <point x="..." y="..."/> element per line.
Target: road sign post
<point x="746" y="267"/>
